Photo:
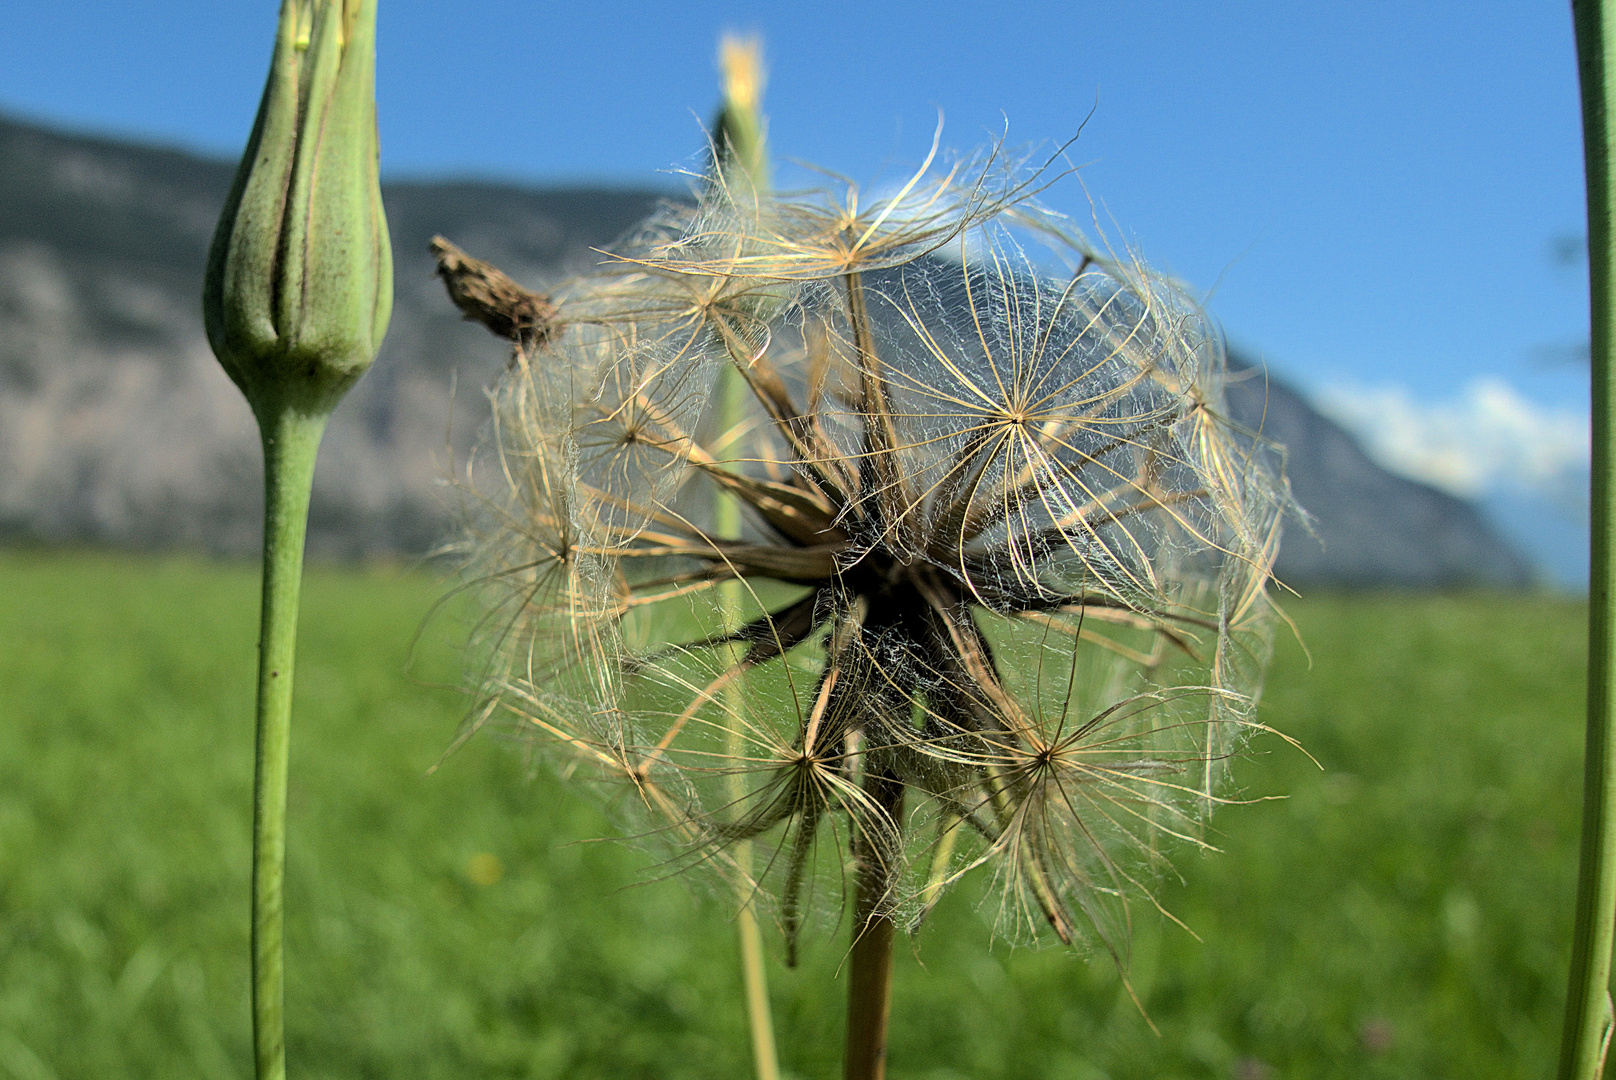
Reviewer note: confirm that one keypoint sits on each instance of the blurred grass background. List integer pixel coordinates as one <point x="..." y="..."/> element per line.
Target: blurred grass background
<point x="1405" y="912"/>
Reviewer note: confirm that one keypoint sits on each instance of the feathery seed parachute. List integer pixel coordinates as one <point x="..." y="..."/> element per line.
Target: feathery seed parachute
<point x="995" y="591"/>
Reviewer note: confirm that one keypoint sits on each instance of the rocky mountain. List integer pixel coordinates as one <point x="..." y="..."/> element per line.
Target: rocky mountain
<point x="1369" y="526"/>
<point x="118" y="427"/>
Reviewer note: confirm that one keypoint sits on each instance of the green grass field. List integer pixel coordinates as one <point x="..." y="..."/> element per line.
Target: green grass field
<point x="1406" y="912"/>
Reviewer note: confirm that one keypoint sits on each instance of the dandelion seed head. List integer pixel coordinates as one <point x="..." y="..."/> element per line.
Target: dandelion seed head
<point x="998" y="598"/>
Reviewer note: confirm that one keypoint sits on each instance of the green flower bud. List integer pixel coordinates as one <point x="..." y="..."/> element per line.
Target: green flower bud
<point x="300" y="277"/>
<point x="741" y="135"/>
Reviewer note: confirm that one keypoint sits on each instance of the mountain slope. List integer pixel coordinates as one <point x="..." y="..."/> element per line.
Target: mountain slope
<point x="118" y="427"/>
<point x="1369" y="527"/>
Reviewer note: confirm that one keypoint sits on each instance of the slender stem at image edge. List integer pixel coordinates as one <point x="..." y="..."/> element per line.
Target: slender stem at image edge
<point x="291" y="440"/>
<point x="1588" y="1010"/>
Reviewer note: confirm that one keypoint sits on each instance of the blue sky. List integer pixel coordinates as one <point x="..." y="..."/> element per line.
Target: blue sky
<point x="1370" y="195"/>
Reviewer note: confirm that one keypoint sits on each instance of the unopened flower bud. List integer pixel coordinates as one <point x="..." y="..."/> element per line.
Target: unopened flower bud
<point x="300" y="279"/>
<point x="741" y="138"/>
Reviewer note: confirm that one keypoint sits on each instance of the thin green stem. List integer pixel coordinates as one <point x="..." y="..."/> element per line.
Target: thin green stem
<point x="759" y="1017"/>
<point x="1586" y="1036"/>
<point x="291" y="439"/>
<point x="732" y="392"/>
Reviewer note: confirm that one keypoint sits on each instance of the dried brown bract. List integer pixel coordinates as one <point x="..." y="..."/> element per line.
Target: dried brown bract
<point x="487" y="295"/>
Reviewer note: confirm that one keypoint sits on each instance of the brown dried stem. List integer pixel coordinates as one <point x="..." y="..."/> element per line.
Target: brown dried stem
<point x="869" y="984"/>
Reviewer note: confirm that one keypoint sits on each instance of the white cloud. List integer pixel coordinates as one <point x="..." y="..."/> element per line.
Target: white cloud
<point x="1490" y="437"/>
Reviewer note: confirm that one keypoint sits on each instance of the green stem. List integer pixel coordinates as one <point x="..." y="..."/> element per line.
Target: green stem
<point x="732" y="392"/>
<point x="1588" y="1009"/>
<point x="291" y="438"/>
<point x="758" y="1015"/>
